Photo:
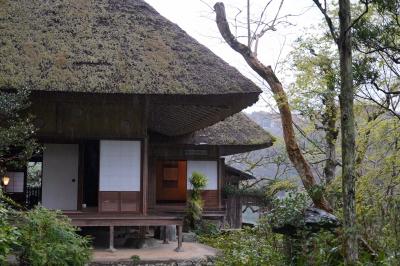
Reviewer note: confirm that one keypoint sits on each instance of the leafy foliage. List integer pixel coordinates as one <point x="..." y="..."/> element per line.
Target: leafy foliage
<point x="8" y="233"/>
<point x="16" y="130"/>
<point x="250" y="246"/>
<point x="207" y="227"/>
<point x="135" y="259"/>
<point x="48" y="238"/>
<point x="289" y="210"/>
<point x="195" y="203"/>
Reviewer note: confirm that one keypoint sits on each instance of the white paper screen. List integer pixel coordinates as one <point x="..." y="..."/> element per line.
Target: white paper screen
<point x="207" y="168"/>
<point x="119" y="165"/>
<point x="16" y="183"/>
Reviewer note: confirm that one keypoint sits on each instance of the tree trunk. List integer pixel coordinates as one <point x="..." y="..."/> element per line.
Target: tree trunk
<point x="331" y="132"/>
<point x="348" y="134"/>
<point x="296" y="157"/>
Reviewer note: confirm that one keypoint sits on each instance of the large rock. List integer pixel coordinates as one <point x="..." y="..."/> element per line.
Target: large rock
<point x="314" y="219"/>
<point x="189" y="237"/>
<point x="171" y="232"/>
<point x="141" y="243"/>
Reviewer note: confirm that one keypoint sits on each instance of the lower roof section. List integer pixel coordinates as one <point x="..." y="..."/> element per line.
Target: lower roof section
<point x="236" y="134"/>
<point x="239" y="174"/>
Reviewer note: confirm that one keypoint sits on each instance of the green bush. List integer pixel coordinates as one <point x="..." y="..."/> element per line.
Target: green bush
<point x="135" y="259"/>
<point x="249" y="246"/>
<point x="288" y="210"/>
<point x="207" y="228"/>
<point x="198" y="181"/>
<point x="195" y="203"/>
<point x="48" y="238"/>
<point x="8" y="234"/>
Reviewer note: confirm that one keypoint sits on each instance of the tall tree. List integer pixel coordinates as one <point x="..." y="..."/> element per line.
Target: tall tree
<point x="346" y="98"/>
<point x="267" y="73"/>
<point x="343" y="41"/>
<point x="17" y="144"/>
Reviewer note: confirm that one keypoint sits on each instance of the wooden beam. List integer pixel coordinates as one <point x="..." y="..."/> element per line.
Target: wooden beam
<point x="165" y="235"/>
<point x="145" y="175"/>
<point x="121" y="221"/>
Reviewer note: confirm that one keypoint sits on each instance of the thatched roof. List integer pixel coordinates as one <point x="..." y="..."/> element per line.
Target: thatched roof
<point x="239" y="174"/>
<point x="236" y="134"/>
<point x="237" y="129"/>
<point x="106" y="46"/>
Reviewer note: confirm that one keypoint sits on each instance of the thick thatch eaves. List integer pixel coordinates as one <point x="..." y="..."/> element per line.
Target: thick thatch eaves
<point x="235" y="130"/>
<point x="236" y="134"/>
<point x="106" y="46"/>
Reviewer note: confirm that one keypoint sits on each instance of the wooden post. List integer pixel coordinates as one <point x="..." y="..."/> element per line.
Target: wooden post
<point x="221" y="180"/>
<point x="179" y="248"/>
<point x="111" y="234"/>
<point x="165" y="235"/>
<point x="145" y="158"/>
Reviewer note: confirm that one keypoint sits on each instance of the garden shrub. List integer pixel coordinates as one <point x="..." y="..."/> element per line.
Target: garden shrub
<point x="207" y="227"/>
<point x="195" y="203"/>
<point x="249" y="246"/>
<point x="48" y="238"/>
<point x="288" y="210"/>
<point x="135" y="259"/>
<point x="8" y="233"/>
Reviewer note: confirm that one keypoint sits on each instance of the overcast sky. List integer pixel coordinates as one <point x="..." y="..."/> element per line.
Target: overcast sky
<point x="198" y="20"/>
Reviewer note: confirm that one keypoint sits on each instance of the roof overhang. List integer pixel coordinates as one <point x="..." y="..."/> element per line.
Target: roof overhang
<point x="175" y="115"/>
<point x="236" y="134"/>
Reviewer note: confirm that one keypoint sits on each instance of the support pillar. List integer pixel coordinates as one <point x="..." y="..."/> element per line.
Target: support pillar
<point x="111" y="242"/>
<point x="165" y="235"/>
<point x="179" y="248"/>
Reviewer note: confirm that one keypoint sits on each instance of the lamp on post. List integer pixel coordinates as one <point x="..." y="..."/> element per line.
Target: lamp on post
<point x="5" y="180"/>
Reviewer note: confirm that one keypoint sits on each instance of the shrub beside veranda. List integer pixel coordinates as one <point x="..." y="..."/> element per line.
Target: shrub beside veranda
<point x="195" y="203"/>
<point x="48" y="238"/>
<point x="8" y="234"/>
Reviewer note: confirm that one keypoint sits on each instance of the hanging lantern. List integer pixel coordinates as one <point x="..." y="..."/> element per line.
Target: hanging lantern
<point x="6" y="180"/>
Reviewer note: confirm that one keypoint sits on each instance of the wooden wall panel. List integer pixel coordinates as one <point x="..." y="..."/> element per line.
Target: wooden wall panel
<point x="70" y="116"/>
<point x="152" y="184"/>
<point x="109" y="201"/>
<point x="116" y="201"/>
<point x="211" y="198"/>
<point x="234" y="212"/>
<point x="130" y="201"/>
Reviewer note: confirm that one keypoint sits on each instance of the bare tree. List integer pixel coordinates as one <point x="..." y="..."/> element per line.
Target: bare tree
<point x="267" y="73"/>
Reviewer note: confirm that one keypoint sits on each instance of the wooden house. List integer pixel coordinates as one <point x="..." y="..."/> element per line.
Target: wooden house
<point x="127" y="105"/>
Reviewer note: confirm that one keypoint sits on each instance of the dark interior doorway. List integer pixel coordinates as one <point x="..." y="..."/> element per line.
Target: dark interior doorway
<point x="91" y="173"/>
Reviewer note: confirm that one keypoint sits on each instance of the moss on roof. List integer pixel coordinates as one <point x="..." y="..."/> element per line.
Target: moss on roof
<point x="106" y="46"/>
<point x="237" y="129"/>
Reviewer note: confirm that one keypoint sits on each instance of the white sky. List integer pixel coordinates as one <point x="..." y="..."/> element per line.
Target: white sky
<point x="198" y="20"/>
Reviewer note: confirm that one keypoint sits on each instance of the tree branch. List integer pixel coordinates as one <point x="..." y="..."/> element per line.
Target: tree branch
<point x="328" y="20"/>
<point x="296" y="157"/>
<point x="359" y="17"/>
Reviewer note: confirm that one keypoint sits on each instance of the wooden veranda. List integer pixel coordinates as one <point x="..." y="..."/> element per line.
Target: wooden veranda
<point x="87" y="218"/>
